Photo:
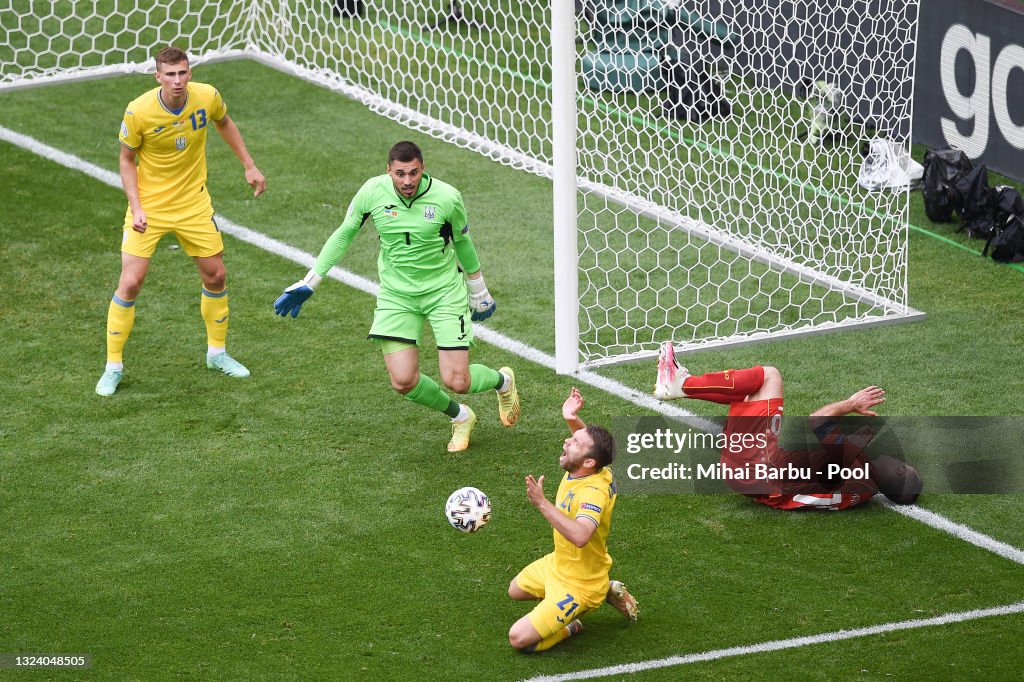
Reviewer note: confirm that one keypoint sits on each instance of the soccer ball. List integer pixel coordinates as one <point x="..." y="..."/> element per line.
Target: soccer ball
<point x="468" y="509"/>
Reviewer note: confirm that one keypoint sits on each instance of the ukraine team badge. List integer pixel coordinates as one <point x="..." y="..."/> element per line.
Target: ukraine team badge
<point x="428" y="213"/>
<point x="179" y="142"/>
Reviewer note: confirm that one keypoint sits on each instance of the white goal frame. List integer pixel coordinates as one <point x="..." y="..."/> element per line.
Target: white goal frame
<point x="261" y="30"/>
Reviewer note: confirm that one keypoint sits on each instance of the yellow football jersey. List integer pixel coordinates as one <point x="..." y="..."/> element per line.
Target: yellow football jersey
<point x="171" y="149"/>
<point x="590" y="499"/>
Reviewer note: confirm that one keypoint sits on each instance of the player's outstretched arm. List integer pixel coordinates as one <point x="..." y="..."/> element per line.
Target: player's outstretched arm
<point x="570" y="409"/>
<point x="860" y="402"/>
<point x="337" y="244"/>
<point x="576" y="532"/>
<point x="233" y="137"/>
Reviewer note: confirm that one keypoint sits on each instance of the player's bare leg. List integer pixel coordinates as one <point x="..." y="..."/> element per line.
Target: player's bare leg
<point x="524" y="637"/>
<point x="771" y="385"/>
<point x="402" y="361"/>
<point x="462" y="377"/>
<point x="519" y="594"/>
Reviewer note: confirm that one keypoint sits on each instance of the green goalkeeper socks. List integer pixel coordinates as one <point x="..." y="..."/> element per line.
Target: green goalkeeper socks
<point x="483" y="378"/>
<point x="426" y="392"/>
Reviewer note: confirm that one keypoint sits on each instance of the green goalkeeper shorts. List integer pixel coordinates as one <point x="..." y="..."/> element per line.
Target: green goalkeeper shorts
<point x="400" y="318"/>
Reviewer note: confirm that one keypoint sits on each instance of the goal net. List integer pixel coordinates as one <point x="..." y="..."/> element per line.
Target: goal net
<point x="717" y="141"/>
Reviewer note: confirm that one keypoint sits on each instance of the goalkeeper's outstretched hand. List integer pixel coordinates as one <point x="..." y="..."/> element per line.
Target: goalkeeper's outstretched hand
<point x="294" y="296"/>
<point x="481" y="303"/>
<point x="292" y="299"/>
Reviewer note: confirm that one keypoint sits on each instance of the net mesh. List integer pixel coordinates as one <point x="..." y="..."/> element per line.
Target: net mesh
<point x="718" y="142"/>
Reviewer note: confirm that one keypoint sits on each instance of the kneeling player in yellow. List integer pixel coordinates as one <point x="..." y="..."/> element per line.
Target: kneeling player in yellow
<point x="163" y="170"/>
<point x="573" y="579"/>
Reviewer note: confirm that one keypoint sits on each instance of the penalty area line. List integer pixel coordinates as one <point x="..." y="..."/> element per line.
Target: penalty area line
<point x="483" y="333"/>
<point x="782" y="644"/>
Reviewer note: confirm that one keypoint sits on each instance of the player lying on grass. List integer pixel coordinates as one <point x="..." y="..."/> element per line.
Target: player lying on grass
<point x="573" y="579"/>
<point x="424" y="239"/>
<point x="754" y="397"/>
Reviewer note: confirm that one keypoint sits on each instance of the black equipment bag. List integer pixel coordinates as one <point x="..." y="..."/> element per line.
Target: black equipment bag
<point x="975" y="202"/>
<point x="1007" y="242"/>
<point x="942" y="167"/>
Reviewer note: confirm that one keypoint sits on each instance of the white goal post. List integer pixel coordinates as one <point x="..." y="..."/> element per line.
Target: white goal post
<point x="704" y="153"/>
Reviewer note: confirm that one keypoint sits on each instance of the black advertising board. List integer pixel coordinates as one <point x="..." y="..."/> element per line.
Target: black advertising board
<point x="969" y="86"/>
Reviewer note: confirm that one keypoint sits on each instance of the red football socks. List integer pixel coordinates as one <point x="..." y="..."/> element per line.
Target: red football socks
<point x="726" y="387"/>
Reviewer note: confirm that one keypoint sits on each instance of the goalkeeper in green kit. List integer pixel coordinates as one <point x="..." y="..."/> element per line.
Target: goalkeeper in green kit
<point x="424" y="239"/>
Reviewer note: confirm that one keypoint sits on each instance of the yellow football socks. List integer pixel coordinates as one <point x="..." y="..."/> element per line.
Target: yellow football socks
<point x="554" y="639"/>
<point x="214" y="308"/>
<point x="120" y="319"/>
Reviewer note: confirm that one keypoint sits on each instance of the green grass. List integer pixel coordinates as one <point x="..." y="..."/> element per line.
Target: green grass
<point x="290" y="526"/>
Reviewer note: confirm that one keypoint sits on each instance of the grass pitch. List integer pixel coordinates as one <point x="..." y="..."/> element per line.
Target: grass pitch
<point x="290" y="526"/>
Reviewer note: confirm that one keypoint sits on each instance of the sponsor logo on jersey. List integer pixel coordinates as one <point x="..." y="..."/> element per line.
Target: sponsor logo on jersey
<point x="178" y="124"/>
<point x="179" y="142"/>
<point x="428" y="212"/>
<point x="590" y="507"/>
<point x="158" y="129"/>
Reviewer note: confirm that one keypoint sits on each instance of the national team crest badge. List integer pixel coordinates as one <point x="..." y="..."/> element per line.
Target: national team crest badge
<point x="179" y="142"/>
<point x="428" y="213"/>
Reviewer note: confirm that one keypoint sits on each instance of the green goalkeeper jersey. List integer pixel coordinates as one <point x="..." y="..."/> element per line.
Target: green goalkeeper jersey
<point x="422" y="240"/>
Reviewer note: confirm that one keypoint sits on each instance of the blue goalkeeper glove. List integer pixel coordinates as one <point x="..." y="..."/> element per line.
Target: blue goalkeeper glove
<point x="294" y="296"/>
<point x="480" y="300"/>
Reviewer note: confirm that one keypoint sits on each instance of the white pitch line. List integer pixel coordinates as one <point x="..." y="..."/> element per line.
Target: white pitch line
<point x="958" y="530"/>
<point x="781" y="644"/>
<point x="490" y="336"/>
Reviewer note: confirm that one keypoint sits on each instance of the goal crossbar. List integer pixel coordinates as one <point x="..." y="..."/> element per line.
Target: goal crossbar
<point x="592" y="161"/>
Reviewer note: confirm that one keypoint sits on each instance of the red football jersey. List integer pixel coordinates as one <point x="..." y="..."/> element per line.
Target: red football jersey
<point x="758" y="423"/>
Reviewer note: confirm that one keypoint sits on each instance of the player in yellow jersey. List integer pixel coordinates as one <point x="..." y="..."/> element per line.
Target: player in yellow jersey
<point x="163" y="171"/>
<point x="573" y="579"/>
